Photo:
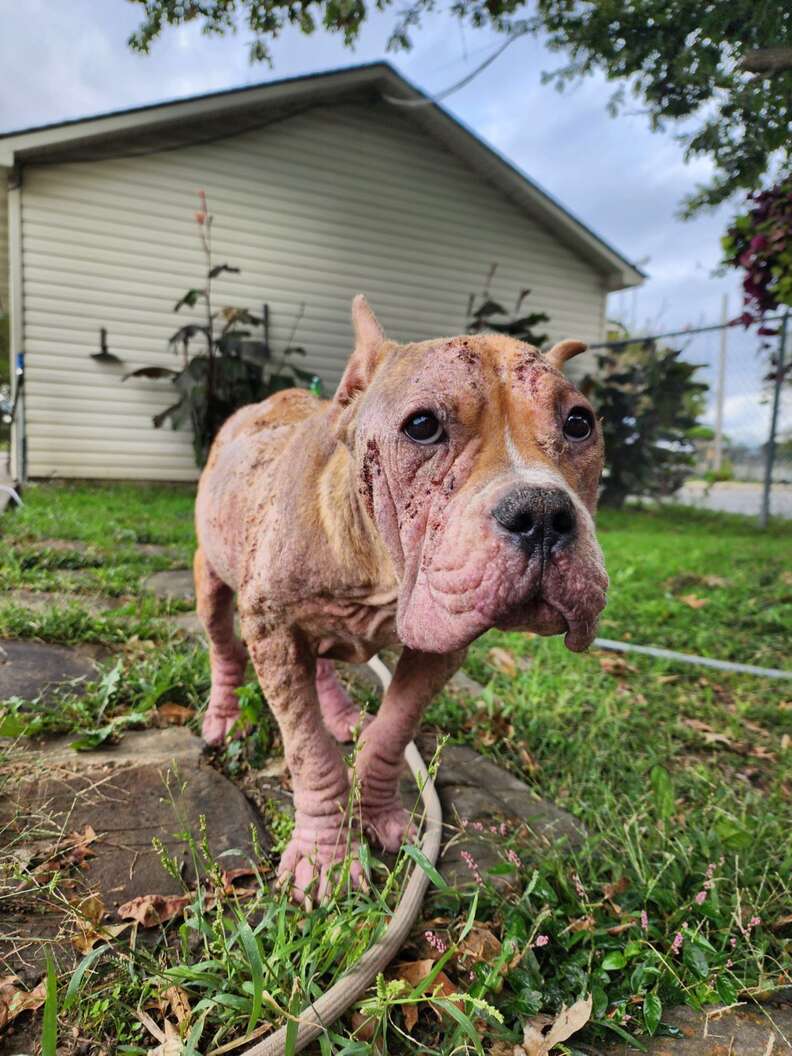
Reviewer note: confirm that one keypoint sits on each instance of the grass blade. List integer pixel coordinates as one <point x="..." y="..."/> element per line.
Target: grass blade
<point x="420" y="858"/>
<point x="79" y="972"/>
<point x="49" y="1029"/>
<point x="253" y="955"/>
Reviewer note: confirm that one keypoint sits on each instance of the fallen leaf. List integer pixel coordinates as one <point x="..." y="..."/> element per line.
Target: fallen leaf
<point x="502" y="660"/>
<point x="151" y="910"/>
<point x="621" y="885"/>
<point x="91" y="908"/>
<point x="171" y="1044"/>
<point x="177" y="1000"/>
<point x="587" y="923"/>
<point x="479" y="946"/>
<point x="14" y="1000"/>
<point x="538" y="1040"/>
<point x="786" y="742"/>
<point x="693" y="601"/>
<point x="782" y="921"/>
<point x="172" y="714"/>
<point x="616" y="666"/>
<point x="413" y="973"/>
<point x="86" y="938"/>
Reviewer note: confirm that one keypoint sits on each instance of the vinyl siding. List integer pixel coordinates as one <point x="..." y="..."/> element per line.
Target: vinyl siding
<point x="4" y="301"/>
<point x="313" y="209"/>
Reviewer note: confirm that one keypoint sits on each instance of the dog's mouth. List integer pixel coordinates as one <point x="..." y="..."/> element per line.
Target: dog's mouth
<point x="448" y="608"/>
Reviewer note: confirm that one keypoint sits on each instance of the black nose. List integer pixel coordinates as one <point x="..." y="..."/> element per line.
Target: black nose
<point x="538" y="518"/>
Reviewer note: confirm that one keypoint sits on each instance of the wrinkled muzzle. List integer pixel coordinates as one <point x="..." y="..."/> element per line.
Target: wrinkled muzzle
<point x="517" y="556"/>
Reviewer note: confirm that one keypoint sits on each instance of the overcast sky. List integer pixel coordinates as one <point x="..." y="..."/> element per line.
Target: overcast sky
<point x="68" y="58"/>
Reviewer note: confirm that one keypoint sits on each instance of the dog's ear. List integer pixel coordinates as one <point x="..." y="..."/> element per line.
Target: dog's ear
<point x="369" y="338"/>
<point x="564" y="350"/>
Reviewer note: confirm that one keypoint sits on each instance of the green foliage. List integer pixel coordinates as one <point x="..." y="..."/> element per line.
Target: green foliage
<point x="680" y="777"/>
<point x="233" y="370"/>
<point x="760" y="243"/>
<point x="686" y="62"/>
<point x="647" y="398"/>
<point x="489" y="314"/>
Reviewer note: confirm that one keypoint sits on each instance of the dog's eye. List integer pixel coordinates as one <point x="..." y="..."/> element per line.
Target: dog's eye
<point x="579" y="424"/>
<point x="423" y="428"/>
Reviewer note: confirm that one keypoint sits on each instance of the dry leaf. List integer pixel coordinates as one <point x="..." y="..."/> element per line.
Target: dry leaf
<point x="587" y="923"/>
<point x="151" y="910"/>
<point x="782" y="921"/>
<point x="91" y="908"/>
<point x="538" y="1040"/>
<point x="621" y="885"/>
<point x="413" y="973"/>
<point x="177" y="1000"/>
<point x="172" y="714"/>
<point x="87" y="938"/>
<point x="616" y="666"/>
<point x="171" y="1044"/>
<point x="693" y="600"/>
<point x="786" y="742"/>
<point x="502" y="660"/>
<point x="14" y="1001"/>
<point x="479" y="945"/>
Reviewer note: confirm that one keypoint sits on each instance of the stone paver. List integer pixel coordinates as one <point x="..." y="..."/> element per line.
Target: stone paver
<point x="743" y="1031"/>
<point x="125" y="794"/>
<point x="173" y="585"/>
<point x="29" y="668"/>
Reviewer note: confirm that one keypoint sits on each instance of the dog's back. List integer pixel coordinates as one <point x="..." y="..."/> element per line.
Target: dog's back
<point x="236" y="472"/>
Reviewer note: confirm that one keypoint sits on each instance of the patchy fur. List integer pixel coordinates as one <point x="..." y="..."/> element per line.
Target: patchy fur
<point x="340" y="536"/>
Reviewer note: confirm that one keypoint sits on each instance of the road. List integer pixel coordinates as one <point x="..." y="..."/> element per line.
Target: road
<point x="736" y="497"/>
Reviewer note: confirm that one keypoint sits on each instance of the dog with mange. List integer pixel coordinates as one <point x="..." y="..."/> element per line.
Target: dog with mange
<point x="447" y="488"/>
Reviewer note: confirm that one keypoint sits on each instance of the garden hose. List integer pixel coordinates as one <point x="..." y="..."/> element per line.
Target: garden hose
<point x="325" y="1010"/>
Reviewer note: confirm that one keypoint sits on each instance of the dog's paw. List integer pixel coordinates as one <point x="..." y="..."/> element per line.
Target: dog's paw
<point x="312" y="871"/>
<point x="342" y="724"/>
<point x="217" y="724"/>
<point x="390" y="826"/>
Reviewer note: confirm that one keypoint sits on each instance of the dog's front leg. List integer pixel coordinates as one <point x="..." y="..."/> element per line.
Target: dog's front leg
<point x="417" y="678"/>
<point x="286" y="669"/>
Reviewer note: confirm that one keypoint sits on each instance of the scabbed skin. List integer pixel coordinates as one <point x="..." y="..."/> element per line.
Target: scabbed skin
<point x="340" y="536"/>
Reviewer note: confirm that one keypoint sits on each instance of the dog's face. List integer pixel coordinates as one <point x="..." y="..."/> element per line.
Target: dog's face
<point x="479" y="463"/>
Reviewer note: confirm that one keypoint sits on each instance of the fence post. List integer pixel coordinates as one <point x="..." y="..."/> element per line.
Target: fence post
<point x="721" y="390"/>
<point x="778" y="382"/>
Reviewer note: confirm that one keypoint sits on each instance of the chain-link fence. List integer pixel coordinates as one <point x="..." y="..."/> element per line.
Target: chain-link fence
<point x="747" y="393"/>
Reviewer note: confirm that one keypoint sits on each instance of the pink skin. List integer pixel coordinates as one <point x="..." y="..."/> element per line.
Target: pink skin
<point x="340" y="536"/>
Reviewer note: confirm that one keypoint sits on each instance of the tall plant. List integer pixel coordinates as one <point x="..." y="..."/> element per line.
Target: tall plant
<point x="649" y="401"/>
<point x="232" y="368"/>
<point x="490" y="314"/>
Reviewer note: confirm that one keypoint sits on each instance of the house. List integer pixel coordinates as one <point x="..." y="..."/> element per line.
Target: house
<point x="321" y="186"/>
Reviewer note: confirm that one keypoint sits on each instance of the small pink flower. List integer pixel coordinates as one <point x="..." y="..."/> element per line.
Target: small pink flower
<point x="644" y="920"/>
<point x="701" y="897"/>
<point x="732" y="942"/>
<point x="504" y="829"/>
<point x="541" y="940"/>
<point x="710" y="871"/>
<point x="676" y="945"/>
<point x="729" y="963"/>
<point x="477" y="825"/>
<point x="754" y="922"/>
<point x="435" y="941"/>
<point x="470" y="862"/>
<point x="513" y="858"/>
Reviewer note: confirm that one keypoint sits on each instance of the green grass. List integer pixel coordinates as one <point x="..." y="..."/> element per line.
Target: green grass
<point x="682" y="777"/>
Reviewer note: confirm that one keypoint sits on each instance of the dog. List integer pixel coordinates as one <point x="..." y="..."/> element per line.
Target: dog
<point x="447" y="488"/>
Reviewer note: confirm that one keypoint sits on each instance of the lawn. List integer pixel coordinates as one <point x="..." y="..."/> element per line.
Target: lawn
<point x="682" y="777"/>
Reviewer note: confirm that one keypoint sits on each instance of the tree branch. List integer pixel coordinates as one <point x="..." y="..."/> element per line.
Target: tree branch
<point x="767" y="60"/>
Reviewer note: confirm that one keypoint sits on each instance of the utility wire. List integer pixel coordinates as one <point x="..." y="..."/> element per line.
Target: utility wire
<point x="413" y="104"/>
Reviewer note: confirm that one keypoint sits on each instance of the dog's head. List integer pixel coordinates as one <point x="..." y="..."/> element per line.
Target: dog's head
<point x="478" y="462"/>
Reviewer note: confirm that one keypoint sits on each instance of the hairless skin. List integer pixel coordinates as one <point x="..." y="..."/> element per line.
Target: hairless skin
<point x="447" y="488"/>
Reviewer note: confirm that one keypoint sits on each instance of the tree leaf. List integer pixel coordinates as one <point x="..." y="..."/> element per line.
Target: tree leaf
<point x="538" y="1040"/>
<point x="652" y="1011"/>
